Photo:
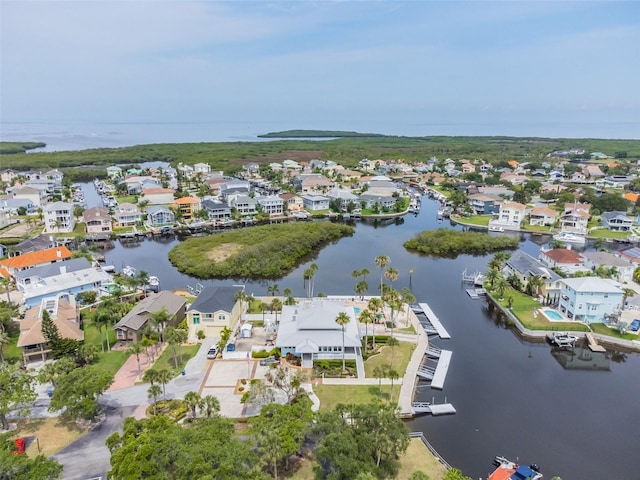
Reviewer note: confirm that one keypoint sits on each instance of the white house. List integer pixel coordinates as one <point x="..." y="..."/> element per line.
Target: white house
<point x="58" y="217"/>
<point x="344" y="196"/>
<point x="315" y="202"/>
<point x="158" y="195"/>
<point x="309" y="331"/>
<point x="35" y="195"/>
<point x="621" y="268"/>
<point x="590" y="299"/>
<point x="616" y="221"/>
<point x="509" y="216"/>
<point x="244" y="204"/>
<point x="114" y="172"/>
<point x="127" y="214"/>
<point x="272" y="205"/>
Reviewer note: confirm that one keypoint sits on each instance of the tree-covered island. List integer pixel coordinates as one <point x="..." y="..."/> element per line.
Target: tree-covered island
<point x="268" y="251"/>
<point x="444" y="242"/>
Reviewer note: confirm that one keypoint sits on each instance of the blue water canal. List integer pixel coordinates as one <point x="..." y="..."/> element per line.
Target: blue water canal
<point x="576" y="417"/>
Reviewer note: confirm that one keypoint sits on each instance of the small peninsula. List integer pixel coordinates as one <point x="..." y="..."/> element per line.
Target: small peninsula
<point x="318" y="134"/>
<point x="268" y="251"/>
<point x="447" y="243"/>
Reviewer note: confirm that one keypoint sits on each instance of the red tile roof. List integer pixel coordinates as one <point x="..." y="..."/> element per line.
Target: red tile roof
<point x="37" y="258"/>
<point x="564" y="255"/>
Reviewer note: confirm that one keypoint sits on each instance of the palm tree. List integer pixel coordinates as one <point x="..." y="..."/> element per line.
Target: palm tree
<point x="308" y="276"/>
<point x="153" y="392"/>
<point x="380" y="372"/>
<point x="264" y="307"/>
<point x="408" y="298"/>
<point x="175" y="336"/>
<point x="361" y="288"/>
<point x="192" y="401"/>
<point x="210" y="405"/>
<point x="375" y="305"/>
<point x="151" y="376"/>
<point x="240" y="296"/>
<point x="160" y="320"/>
<point x="382" y="261"/>
<point x="501" y="287"/>
<point x="136" y="349"/>
<point x="535" y="284"/>
<point x="492" y="276"/>
<point x="141" y="279"/>
<point x="6" y="283"/>
<point x="276" y="305"/>
<point x="273" y="290"/>
<point x="393" y="374"/>
<point x="391" y="274"/>
<point x="102" y="318"/>
<point x="342" y="319"/>
<point x="164" y="377"/>
<point x="288" y="293"/>
<point x="366" y="317"/>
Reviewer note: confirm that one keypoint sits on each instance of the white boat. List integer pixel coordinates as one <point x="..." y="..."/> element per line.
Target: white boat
<point x="563" y="339"/>
<point x="570" y="237"/>
<point x="153" y="283"/>
<point x="128" y="271"/>
<point x="494" y="228"/>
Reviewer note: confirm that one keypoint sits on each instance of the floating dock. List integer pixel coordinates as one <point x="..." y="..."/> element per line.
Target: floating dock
<point x="593" y="343"/>
<point x="476" y="293"/>
<point x="438" y="374"/>
<point x="426" y="407"/>
<point x="434" y="321"/>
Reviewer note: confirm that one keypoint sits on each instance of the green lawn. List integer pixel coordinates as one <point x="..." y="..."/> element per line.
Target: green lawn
<point x="11" y="352"/>
<point x="477" y="220"/>
<point x="606" y="233"/>
<point x="127" y="199"/>
<point x="166" y="359"/>
<point x="112" y="361"/>
<point x="401" y="358"/>
<point x="332" y="395"/>
<point x="410" y="329"/>
<point x="612" y="332"/>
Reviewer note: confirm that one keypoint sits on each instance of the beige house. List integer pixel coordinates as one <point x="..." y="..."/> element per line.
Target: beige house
<point x="65" y="317"/>
<point x="158" y="195"/>
<point x="97" y="220"/>
<point x="293" y="202"/>
<point x="542" y="216"/>
<point x="131" y="327"/>
<point x="509" y="216"/>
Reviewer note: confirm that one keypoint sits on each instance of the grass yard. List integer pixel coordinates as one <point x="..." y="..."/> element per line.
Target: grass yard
<point x="477" y="220"/>
<point x="602" y="329"/>
<point x="332" y="395"/>
<point x="418" y="457"/>
<point x="401" y="358"/>
<point x="112" y="361"/>
<point x="606" y="233"/>
<point x="166" y="358"/>
<point x="10" y="351"/>
<point x="523" y="306"/>
<point x="53" y="434"/>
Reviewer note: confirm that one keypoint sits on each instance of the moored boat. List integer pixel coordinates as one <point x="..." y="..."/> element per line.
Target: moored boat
<point x="563" y="339"/>
<point x="508" y="470"/>
<point x="570" y="237"/>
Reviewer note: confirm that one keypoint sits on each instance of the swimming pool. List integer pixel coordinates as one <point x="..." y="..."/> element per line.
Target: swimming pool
<point x="357" y="310"/>
<point x="551" y="314"/>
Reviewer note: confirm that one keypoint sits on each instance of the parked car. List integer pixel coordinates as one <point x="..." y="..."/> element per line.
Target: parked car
<point x="269" y="361"/>
<point x="213" y="352"/>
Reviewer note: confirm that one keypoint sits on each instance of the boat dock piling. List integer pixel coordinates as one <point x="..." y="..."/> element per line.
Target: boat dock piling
<point x="593" y="343"/>
<point x="432" y="408"/>
<point x="434" y="321"/>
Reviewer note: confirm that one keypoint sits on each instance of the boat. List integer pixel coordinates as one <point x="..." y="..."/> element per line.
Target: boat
<point x="508" y="470"/>
<point x="128" y="271"/>
<point x="570" y="237"/>
<point x="494" y="228"/>
<point x="563" y="340"/>
<point x="154" y="283"/>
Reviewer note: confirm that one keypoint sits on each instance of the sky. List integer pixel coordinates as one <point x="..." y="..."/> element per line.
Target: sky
<point x="320" y="64"/>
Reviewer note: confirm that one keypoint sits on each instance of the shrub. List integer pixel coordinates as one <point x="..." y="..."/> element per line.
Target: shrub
<point x="200" y="334"/>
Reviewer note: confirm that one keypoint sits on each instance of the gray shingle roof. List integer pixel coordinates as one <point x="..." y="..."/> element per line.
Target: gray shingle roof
<point x="214" y="299"/>
<point x="139" y="315"/>
<point x="52" y="269"/>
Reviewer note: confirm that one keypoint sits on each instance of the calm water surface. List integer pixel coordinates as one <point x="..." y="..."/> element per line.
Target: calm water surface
<point x="513" y="397"/>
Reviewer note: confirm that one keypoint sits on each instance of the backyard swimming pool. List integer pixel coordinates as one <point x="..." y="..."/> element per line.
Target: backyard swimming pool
<point x="357" y="310"/>
<point x="551" y="314"/>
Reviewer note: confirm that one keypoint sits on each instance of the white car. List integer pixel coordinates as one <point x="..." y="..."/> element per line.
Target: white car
<point x="212" y="353"/>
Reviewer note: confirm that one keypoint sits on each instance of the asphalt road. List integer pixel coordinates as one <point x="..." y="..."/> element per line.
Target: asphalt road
<point x="88" y="457"/>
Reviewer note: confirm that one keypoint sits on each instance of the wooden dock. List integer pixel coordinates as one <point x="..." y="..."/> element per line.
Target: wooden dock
<point x="593" y="343"/>
<point x="434" y="321"/>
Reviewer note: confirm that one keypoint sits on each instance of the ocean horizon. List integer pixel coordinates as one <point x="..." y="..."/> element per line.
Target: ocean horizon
<point x="65" y="136"/>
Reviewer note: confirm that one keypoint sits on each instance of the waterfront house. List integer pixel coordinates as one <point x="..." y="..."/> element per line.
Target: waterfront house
<point x="251" y="169"/>
<point x="114" y="172"/>
<point x="315" y="202"/>
<point x="158" y="195"/>
<point x="542" y="216"/>
<point x="188" y="207"/>
<point x="12" y="205"/>
<point x="380" y="201"/>
<point x="617" y="181"/>
<point x="244" y="204"/>
<point x="127" y="214"/>
<point x="34" y="259"/>
<point x="58" y="217"/>
<point x="568" y="261"/>
<point x="97" y="221"/>
<point x="64" y="314"/>
<point x="202" y="169"/>
<point x="216" y="209"/>
<point x="309" y="330"/>
<point x="483" y="204"/>
<point x="509" y="216"/>
<point x="593" y="172"/>
<point x="294" y="203"/>
<point x="9" y="175"/>
<point x="4" y="219"/>
<point x="630" y="253"/>
<point x="289" y="164"/>
<point x="616" y="221"/>
<point x="366" y="164"/>
<point x="342" y="195"/>
<point x="34" y="244"/>
<point x="575" y="217"/>
<point x="130" y="328"/>
<point x="621" y="268"/>
<point x="523" y="266"/>
<point x="312" y="182"/>
<point x="36" y="196"/>
<point x="590" y="299"/>
<point x="69" y="277"/>
<point x="159" y="215"/>
<point x="186" y="170"/>
<point x="234" y="187"/>
<point x="214" y="309"/>
<point x="271" y="205"/>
